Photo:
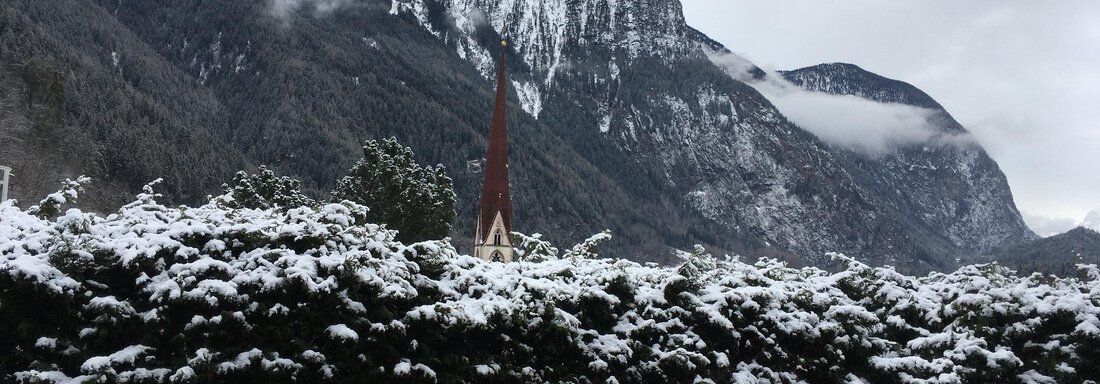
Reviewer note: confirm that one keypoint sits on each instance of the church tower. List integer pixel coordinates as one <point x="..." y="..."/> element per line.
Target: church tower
<point x="492" y="240"/>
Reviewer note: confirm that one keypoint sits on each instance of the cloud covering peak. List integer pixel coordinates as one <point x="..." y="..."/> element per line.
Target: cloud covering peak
<point x="851" y="122"/>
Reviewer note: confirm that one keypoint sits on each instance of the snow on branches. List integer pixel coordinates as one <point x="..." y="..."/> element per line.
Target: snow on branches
<point x="314" y="294"/>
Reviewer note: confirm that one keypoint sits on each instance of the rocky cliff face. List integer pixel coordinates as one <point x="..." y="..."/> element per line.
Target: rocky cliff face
<point x="639" y="81"/>
<point x="947" y="183"/>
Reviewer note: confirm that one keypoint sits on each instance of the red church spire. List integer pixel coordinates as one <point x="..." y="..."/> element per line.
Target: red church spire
<point x="495" y="199"/>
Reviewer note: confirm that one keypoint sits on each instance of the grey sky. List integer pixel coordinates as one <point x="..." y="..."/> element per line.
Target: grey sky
<point x="1023" y="76"/>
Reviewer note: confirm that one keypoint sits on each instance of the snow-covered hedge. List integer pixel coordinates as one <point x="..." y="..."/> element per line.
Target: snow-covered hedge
<point x="213" y="294"/>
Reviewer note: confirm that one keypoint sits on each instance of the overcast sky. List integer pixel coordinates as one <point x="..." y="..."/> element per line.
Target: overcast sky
<point x="1023" y="76"/>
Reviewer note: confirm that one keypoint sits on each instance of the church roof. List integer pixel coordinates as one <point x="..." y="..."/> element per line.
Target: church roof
<point x="494" y="193"/>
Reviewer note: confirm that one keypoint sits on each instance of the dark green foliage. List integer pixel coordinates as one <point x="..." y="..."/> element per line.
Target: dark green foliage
<point x="264" y="190"/>
<point x="418" y="202"/>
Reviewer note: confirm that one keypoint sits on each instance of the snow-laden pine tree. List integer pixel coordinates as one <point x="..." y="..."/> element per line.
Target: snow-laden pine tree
<point x="418" y="202"/>
<point x="51" y="205"/>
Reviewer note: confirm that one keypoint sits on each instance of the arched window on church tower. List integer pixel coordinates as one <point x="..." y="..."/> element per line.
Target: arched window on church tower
<point x="496" y="238"/>
<point x="497" y="257"/>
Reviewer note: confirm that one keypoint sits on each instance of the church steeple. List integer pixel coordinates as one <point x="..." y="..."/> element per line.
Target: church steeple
<point x="492" y="241"/>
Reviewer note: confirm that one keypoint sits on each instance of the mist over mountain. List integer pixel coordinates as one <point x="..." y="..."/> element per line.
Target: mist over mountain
<point x="1092" y="220"/>
<point x="622" y="116"/>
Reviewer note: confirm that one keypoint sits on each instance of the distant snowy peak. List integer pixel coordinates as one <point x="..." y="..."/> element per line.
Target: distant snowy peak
<point x="1092" y="221"/>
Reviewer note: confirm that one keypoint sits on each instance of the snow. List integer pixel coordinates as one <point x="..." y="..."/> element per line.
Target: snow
<point x="342" y="332"/>
<point x="243" y="359"/>
<point x="605" y="124"/>
<point x="182" y="375"/>
<point x="540" y="31"/>
<point x="405" y="368"/>
<point x="48" y="343"/>
<point x="127" y="355"/>
<point x="529" y="97"/>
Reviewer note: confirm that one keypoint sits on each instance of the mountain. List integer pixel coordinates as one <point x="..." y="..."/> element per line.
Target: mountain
<point x="1092" y="220"/>
<point x="622" y="117"/>
<point x="81" y="94"/>
<point x="231" y="85"/>
<point x="946" y="185"/>
<point x="637" y="80"/>
<point x="1058" y="254"/>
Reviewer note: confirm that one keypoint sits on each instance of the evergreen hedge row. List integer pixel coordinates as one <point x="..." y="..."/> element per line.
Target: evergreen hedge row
<point x="158" y="294"/>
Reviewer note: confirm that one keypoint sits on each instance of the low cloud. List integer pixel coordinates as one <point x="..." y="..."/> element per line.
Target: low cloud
<point x="733" y="64"/>
<point x="478" y="18"/>
<point x="284" y="8"/>
<point x="1047" y="226"/>
<point x="851" y="122"/>
<point x="857" y="123"/>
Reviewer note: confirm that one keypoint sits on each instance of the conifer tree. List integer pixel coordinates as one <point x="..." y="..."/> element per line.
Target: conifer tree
<point x="418" y="202"/>
<point x="264" y="190"/>
<point x="52" y="204"/>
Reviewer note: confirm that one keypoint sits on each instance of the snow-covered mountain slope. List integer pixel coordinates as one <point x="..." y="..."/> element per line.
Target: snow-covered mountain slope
<point x="300" y="91"/>
<point x="637" y="80"/>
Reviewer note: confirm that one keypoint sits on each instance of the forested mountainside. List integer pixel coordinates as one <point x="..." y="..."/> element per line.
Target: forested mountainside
<point x="620" y="119"/>
<point x="1059" y="254"/>
<point x="300" y="93"/>
<point x="81" y="94"/>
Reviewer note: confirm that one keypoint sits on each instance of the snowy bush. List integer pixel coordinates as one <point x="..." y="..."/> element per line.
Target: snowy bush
<point x="313" y="294"/>
<point x="533" y="248"/>
<point x="264" y="190"/>
<point x="589" y="248"/>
